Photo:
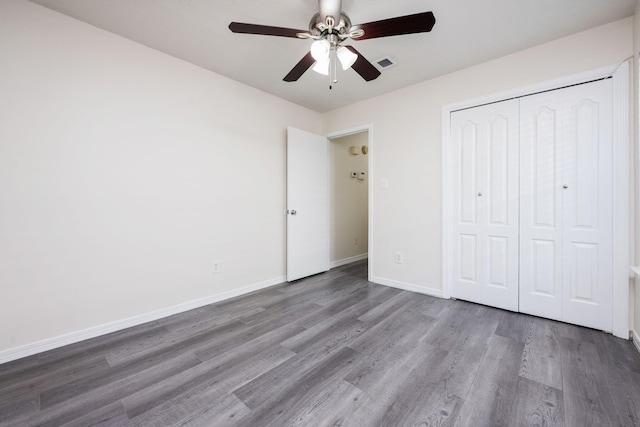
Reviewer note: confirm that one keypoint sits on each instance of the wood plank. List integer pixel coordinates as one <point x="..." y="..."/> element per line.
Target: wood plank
<point x="351" y="306"/>
<point x="542" y="357"/>
<point x="579" y="350"/>
<point x="56" y="375"/>
<point x="315" y="411"/>
<point x="213" y="318"/>
<point x="436" y="408"/>
<point x="515" y="326"/>
<point x="250" y="346"/>
<point x="106" y="416"/>
<point x="339" y="290"/>
<point x="209" y="343"/>
<point x="378" y="367"/>
<point x="436" y="307"/>
<point x="446" y="334"/>
<point x="159" y="397"/>
<point x="142" y="362"/>
<point x="101" y="345"/>
<point x="402" y="387"/>
<point x="466" y="351"/>
<point x="222" y="412"/>
<point x="406" y="319"/>
<point x="577" y="333"/>
<point x="356" y="412"/>
<point x="617" y="352"/>
<point x="282" y="312"/>
<point x="18" y="405"/>
<point x="176" y="342"/>
<point x="382" y="311"/>
<point x="270" y="403"/>
<point x="348" y="325"/>
<point x="259" y="390"/>
<point x="205" y="408"/>
<point x="587" y="400"/>
<point x="624" y="387"/>
<point x="492" y="394"/>
<point x="42" y="373"/>
<point x="538" y="405"/>
<point x="79" y="401"/>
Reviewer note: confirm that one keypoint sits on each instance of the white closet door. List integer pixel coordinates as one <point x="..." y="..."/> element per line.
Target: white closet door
<point x="485" y="182"/>
<point x="466" y="225"/>
<point x="541" y="205"/>
<point x="566" y="206"/>
<point x="588" y="206"/>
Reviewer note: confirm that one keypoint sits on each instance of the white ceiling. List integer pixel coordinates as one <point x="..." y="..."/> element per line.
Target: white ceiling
<point x="466" y="32"/>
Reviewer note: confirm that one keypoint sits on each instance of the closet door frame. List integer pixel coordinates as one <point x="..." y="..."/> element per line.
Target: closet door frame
<point x="621" y="178"/>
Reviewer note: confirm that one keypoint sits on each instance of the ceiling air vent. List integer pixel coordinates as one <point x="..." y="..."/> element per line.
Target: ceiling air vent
<point x="384" y="63"/>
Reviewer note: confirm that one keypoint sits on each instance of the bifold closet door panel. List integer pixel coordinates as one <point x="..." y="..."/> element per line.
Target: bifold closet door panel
<point x="588" y="206"/>
<point x="541" y="205"/>
<point x="485" y="204"/>
<point x="566" y="205"/>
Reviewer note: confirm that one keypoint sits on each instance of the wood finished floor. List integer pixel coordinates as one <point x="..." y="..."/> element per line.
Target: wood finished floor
<point x="332" y="350"/>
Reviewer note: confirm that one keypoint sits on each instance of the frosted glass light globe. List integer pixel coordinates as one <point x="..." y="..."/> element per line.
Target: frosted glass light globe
<point x="320" y="50"/>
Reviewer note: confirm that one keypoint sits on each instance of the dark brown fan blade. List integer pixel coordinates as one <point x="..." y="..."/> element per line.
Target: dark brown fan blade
<point x="408" y="24"/>
<point x="363" y="67"/>
<point x="302" y="66"/>
<point x="264" y="30"/>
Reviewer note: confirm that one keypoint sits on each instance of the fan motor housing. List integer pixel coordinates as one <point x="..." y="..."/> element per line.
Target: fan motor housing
<point x="317" y="27"/>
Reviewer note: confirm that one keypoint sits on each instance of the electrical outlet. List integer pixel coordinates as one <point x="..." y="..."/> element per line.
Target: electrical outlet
<point x="216" y="267"/>
<point x="356" y="241"/>
<point x="399" y="258"/>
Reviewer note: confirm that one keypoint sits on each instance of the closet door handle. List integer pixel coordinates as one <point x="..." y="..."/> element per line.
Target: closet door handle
<point x="565" y="186"/>
<point x="479" y="194"/>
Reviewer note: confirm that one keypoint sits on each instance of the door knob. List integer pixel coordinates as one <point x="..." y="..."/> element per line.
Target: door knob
<point x="479" y="194"/>
<point x="565" y="186"/>
<point x="293" y="212"/>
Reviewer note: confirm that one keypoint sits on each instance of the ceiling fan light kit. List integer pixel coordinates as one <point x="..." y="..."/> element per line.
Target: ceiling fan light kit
<point x="346" y="57"/>
<point x="330" y="27"/>
<point x="320" y="50"/>
<point x="323" y="53"/>
<point x="322" y="67"/>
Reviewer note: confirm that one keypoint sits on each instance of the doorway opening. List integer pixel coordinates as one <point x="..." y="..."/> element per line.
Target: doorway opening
<point x="349" y="188"/>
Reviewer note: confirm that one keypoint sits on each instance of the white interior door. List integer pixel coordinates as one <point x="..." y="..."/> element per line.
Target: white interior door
<point x="587" y="290"/>
<point x="566" y="205"/>
<point x="466" y="224"/>
<point x="485" y="204"/>
<point x="308" y="229"/>
<point x="541" y="205"/>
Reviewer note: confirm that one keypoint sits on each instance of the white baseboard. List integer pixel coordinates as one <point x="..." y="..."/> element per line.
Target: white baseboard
<point x="118" y="325"/>
<point x="349" y="260"/>
<point x="636" y="340"/>
<point x="407" y="287"/>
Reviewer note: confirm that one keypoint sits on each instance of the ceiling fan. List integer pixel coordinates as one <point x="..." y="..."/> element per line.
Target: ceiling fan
<point x="329" y="28"/>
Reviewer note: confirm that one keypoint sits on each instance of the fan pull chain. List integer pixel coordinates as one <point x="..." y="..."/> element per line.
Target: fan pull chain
<point x="333" y="61"/>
